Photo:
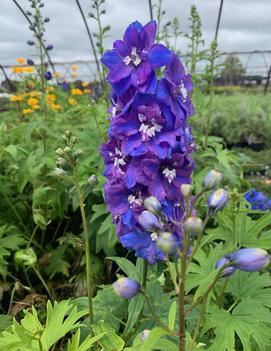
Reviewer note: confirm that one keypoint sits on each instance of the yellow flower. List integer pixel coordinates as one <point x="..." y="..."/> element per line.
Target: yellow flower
<point x="16" y="98"/>
<point x="56" y="107"/>
<point x="35" y="94"/>
<point x="74" y="67"/>
<point x="77" y="91"/>
<point x="27" y="111"/>
<point x="87" y="91"/>
<point x="72" y="101"/>
<point x="74" y="75"/>
<point x="57" y="74"/>
<point x="28" y="69"/>
<point x="36" y="107"/>
<point x="50" y="98"/>
<point x="49" y="89"/>
<point x="17" y="70"/>
<point x="32" y="101"/>
<point x="31" y="84"/>
<point x="84" y="84"/>
<point x="21" y="60"/>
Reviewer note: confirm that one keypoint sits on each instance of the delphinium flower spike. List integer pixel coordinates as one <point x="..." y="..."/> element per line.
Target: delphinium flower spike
<point x="148" y="153"/>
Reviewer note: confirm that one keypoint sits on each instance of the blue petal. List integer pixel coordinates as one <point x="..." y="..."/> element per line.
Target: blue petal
<point x="159" y="56"/>
<point x="110" y="58"/>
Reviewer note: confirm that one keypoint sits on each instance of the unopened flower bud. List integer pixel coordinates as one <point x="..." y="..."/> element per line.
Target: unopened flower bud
<point x="48" y="75"/>
<point x="60" y="152"/>
<point x="78" y="153"/>
<point x="60" y="162"/>
<point x="30" y="42"/>
<point x="167" y="243"/>
<point x="59" y="172"/>
<point x="250" y="259"/>
<point x="49" y="47"/>
<point x="28" y="13"/>
<point x="93" y="180"/>
<point x="152" y="204"/>
<point x="26" y="257"/>
<point x="218" y="200"/>
<point x="211" y="180"/>
<point x="149" y="221"/>
<point x="46" y="19"/>
<point x="67" y="133"/>
<point x="228" y="271"/>
<point x="30" y="62"/>
<point x="186" y="190"/>
<point x="126" y="287"/>
<point x="67" y="150"/>
<point x="193" y="226"/>
<point x="143" y="335"/>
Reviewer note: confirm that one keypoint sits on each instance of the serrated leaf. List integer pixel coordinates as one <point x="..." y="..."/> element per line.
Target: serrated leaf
<point x="110" y="341"/>
<point x="134" y="308"/>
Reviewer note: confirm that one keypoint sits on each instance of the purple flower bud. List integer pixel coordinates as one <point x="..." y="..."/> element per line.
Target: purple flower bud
<point x="46" y="19"/>
<point x="152" y="204"/>
<point x="49" y="47"/>
<point x="149" y="221"/>
<point x="193" y="226"/>
<point x="45" y="63"/>
<point x="28" y="13"/>
<point x="186" y="190"/>
<point x="218" y="200"/>
<point x="126" y="287"/>
<point x="250" y="259"/>
<point x="167" y="243"/>
<point x="30" y="62"/>
<point x="41" y="4"/>
<point x="30" y="42"/>
<point x="48" y="75"/>
<point x="143" y="335"/>
<point x="228" y="271"/>
<point x="211" y="180"/>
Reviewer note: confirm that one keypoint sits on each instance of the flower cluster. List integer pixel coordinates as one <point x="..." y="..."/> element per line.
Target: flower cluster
<point x="148" y="154"/>
<point x="258" y="200"/>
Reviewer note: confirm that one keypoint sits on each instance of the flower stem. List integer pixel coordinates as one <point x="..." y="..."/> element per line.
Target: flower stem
<point x="36" y="270"/>
<point x="87" y="251"/>
<point x="197" y="329"/>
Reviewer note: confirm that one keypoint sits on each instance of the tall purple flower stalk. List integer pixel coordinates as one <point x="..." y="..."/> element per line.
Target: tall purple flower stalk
<point x="150" y="142"/>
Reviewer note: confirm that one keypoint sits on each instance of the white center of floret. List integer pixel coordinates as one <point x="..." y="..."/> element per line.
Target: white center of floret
<point x="134" y="58"/>
<point x="135" y="201"/>
<point x="170" y="174"/>
<point x="119" y="160"/>
<point x="183" y="91"/>
<point x="148" y="130"/>
<point x="154" y="236"/>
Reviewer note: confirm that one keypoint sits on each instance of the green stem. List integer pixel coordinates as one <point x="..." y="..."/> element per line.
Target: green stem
<point x="197" y="329"/>
<point x="219" y="299"/>
<point x="16" y="214"/>
<point x="36" y="270"/>
<point x="172" y="277"/>
<point x="87" y="252"/>
<point x="32" y="236"/>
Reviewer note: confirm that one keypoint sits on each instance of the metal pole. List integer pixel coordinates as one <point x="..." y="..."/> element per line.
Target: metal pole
<point x="150" y="8"/>
<point x="218" y="19"/>
<point x="267" y="81"/>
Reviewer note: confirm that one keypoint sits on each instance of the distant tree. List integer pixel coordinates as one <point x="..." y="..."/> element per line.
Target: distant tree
<point x="232" y="69"/>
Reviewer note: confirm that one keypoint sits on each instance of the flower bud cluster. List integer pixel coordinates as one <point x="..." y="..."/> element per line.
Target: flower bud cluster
<point x="148" y="153"/>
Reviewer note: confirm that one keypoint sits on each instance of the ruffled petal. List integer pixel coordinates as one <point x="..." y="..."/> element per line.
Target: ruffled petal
<point x="121" y="48"/>
<point x="111" y="58"/>
<point x="119" y="72"/>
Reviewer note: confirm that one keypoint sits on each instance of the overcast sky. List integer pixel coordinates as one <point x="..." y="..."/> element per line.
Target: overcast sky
<point x="245" y="25"/>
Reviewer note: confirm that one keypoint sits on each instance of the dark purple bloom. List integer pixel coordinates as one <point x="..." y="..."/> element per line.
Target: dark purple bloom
<point x="174" y="89"/>
<point x="65" y="86"/>
<point x="48" y="75"/>
<point x="134" y="59"/>
<point x="258" y="200"/>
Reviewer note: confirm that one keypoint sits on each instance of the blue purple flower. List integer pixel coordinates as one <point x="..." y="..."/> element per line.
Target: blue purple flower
<point x="148" y="153"/>
<point x="126" y="287"/>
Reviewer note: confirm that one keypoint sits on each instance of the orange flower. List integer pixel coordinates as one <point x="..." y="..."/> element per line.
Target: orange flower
<point x="16" y="98"/>
<point x="26" y="111"/>
<point x="74" y="67"/>
<point x="56" y="107"/>
<point x="21" y="60"/>
<point x="77" y="91"/>
<point x="32" y="101"/>
<point x="28" y="69"/>
<point x="72" y="101"/>
<point x="87" y="91"/>
<point x="57" y="74"/>
<point x="35" y="94"/>
<point x="17" y="70"/>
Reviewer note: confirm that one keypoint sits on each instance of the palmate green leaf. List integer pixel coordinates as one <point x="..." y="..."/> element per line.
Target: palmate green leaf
<point x="110" y="341"/>
<point x="10" y="240"/>
<point x="74" y="342"/>
<point x="134" y="309"/>
<point x="127" y="267"/>
<point x="57" y="263"/>
<point x="248" y="321"/>
<point x="255" y="286"/>
<point x="203" y="272"/>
